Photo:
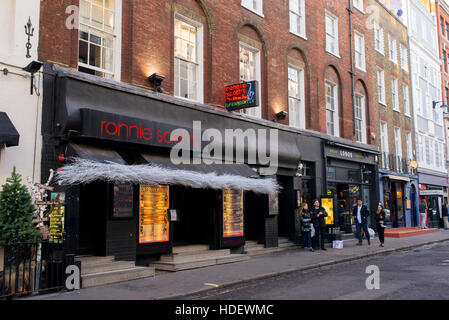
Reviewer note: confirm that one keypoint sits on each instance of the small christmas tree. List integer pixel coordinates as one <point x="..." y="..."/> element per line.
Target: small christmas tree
<point x="16" y="211"/>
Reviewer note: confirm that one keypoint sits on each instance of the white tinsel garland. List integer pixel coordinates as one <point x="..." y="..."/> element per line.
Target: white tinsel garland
<point x="81" y="171"/>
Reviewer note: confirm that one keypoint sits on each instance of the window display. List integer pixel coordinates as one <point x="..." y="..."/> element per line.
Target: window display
<point x="123" y="201"/>
<point x="153" y="221"/>
<point x="232" y="213"/>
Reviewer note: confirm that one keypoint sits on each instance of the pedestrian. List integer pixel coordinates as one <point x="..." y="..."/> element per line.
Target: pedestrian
<point x="361" y="214"/>
<point x="318" y="214"/>
<point x="306" y="226"/>
<point x="445" y="215"/>
<point x="423" y="213"/>
<point x="341" y="217"/>
<point x="380" y="224"/>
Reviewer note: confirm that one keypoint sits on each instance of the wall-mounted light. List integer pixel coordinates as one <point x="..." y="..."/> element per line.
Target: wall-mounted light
<point x="156" y="80"/>
<point x="442" y="104"/>
<point x="282" y="115"/>
<point x="5" y="71"/>
<point x="33" y="67"/>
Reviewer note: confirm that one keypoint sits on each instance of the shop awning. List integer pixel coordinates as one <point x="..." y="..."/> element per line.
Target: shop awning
<point x="83" y="171"/>
<point x="93" y="153"/>
<point x="398" y="178"/>
<point x="242" y="170"/>
<point x="8" y="134"/>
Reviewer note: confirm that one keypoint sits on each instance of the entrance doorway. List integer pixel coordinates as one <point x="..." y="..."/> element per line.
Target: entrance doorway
<point x="197" y="210"/>
<point x="92" y="219"/>
<point x="254" y="218"/>
<point x="287" y="205"/>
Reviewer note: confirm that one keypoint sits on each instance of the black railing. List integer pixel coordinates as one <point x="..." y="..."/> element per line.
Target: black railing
<point x="31" y="268"/>
<point x="392" y="162"/>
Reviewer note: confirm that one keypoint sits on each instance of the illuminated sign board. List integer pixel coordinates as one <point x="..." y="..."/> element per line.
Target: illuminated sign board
<point x="241" y="96"/>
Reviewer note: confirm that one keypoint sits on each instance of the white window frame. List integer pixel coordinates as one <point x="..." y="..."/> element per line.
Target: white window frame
<point x="256" y="111"/>
<point x="336" y="123"/>
<point x="398" y="146"/>
<point x="359" y="53"/>
<point x="358" y="4"/>
<point x="406" y="99"/>
<point x="379" y="38"/>
<point x="384" y="147"/>
<point x="334" y="36"/>
<point x="360" y="119"/>
<point x="404" y="57"/>
<point x="248" y="4"/>
<point x="395" y="93"/>
<point x="409" y="145"/>
<point x="199" y="59"/>
<point x="300" y="120"/>
<point x="117" y="45"/>
<point x="421" y="148"/>
<point x="392" y="49"/>
<point x="381" y="86"/>
<point x="294" y="15"/>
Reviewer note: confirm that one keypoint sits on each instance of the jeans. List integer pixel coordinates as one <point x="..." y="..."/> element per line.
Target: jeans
<point x="320" y="233"/>
<point x="381" y="232"/>
<point x="307" y="239"/>
<point x="423" y="219"/>
<point x="446" y="224"/>
<point x="359" y="227"/>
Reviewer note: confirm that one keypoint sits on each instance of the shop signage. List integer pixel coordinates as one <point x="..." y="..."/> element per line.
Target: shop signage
<point x="241" y="96"/>
<point x="431" y="193"/>
<point x="232" y="213"/>
<point x="339" y="153"/>
<point x="328" y="205"/>
<point x="56" y="234"/>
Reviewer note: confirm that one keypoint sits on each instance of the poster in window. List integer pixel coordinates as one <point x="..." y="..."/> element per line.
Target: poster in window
<point x="56" y="233"/>
<point x="273" y="204"/>
<point x="328" y="205"/>
<point x="153" y="220"/>
<point x="232" y="213"/>
<point x="122" y="201"/>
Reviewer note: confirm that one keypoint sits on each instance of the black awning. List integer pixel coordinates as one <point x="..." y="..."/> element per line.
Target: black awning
<point x="8" y="133"/>
<point x="242" y="170"/>
<point x="93" y="153"/>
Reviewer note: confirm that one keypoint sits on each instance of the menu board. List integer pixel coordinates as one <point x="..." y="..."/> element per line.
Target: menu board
<point x="328" y="205"/>
<point x="123" y="201"/>
<point x="57" y="224"/>
<point x="232" y="213"/>
<point x="153" y="221"/>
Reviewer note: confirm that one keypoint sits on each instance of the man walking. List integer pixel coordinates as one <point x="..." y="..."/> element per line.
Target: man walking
<point x="423" y="213"/>
<point x="361" y="214"/>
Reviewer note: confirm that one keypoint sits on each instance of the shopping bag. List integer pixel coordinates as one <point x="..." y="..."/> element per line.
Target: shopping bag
<point x="312" y="230"/>
<point x="337" y="244"/>
<point x="371" y="233"/>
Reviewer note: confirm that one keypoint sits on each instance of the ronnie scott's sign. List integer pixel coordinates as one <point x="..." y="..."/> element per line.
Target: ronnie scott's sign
<point x="241" y="96"/>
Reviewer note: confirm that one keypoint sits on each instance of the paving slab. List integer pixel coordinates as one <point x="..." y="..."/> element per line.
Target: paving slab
<point x="190" y="282"/>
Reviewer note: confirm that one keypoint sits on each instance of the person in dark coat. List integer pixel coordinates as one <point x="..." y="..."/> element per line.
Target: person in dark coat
<point x="361" y="214"/>
<point x="318" y="214"/>
<point x="306" y="226"/>
<point x="380" y="224"/>
<point x="445" y="215"/>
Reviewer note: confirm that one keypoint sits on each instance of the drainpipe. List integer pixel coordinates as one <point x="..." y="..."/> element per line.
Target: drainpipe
<point x="351" y="72"/>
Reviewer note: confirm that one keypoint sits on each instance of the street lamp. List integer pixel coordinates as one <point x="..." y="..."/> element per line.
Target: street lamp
<point x="443" y="105"/>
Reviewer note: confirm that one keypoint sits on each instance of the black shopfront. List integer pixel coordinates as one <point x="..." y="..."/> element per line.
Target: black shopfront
<point x="113" y="123"/>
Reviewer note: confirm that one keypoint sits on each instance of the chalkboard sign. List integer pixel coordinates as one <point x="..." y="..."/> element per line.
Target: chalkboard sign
<point x="122" y="201"/>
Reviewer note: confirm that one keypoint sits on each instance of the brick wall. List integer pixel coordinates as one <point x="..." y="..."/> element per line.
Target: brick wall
<point x="147" y="47"/>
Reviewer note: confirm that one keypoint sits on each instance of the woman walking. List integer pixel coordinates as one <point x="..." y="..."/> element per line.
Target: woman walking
<point x="306" y="226"/>
<point x="380" y="223"/>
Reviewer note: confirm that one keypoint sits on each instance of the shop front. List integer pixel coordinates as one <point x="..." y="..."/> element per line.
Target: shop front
<point x="350" y="175"/>
<point x="432" y="190"/>
<point x="125" y="196"/>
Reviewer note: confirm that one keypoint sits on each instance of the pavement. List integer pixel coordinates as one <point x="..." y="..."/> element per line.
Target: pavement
<point x="190" y="282"/>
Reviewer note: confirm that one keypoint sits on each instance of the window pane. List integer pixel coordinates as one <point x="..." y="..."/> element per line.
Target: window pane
<point x="95" y="55"/>
<point x="83" y="52"/>
<point x="97" y="16"/>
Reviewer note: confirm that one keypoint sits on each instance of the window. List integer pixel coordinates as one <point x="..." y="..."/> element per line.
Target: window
<point x="99" y="38"/>
<point x="427" y="147"/>
<point x="406" y="97"/>
<point x="420" y="148"/>
<point x="381" y="86"/>
<point x="395" y="93"/>
<point x="392" y="49"/>
<point x="437" y="154"/>
<point x="360" y="126"/>
<point x="447" y="30"/>
<point x="254" y="5"/>
<point x="359" y="51"/>
<point x="298" y="17"/>
<point x="442" y="26"/>
<point x="398" y="146"/>
<point x="379" y="38"/>
<point x="188" y="59"/>
<point x="331" y="34"/>
<point x="358" y="4"/>
<point x="444" y="61"/>
<point x="296" y="110"/>
<point x="404" y="57"/>
<point x="408" y="139"/>
<point x="331" y="109"/>
<point x="249" y="58"/>
<point x="384" y="144"/>
<point x="446" y="90"/>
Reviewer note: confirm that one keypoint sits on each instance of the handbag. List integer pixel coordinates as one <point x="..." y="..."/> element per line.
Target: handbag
<point x="312" y="230"/>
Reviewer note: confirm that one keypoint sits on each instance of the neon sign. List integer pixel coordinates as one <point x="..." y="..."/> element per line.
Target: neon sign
<point x="241" y="96"/>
